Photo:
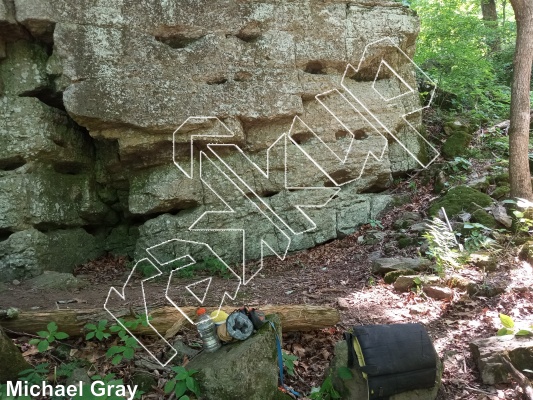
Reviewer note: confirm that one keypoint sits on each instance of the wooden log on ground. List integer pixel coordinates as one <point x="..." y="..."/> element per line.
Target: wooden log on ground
<point x="167" y="320"/>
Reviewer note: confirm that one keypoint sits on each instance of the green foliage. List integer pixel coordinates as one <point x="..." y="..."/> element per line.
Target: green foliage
<point x="326" y="391"/>
<point x="443" y="246"/>
<point x="126" y="350"/>
<point x="288" y="362"/>
<point x="458" y="165"/>
<point x="46" y="338"/>
<point x="477" y="238"/>
<point x="182" y="383"/>
<point x="35" y="375"/>
<point x="455" y="47"/>
<point x="97" y="331"/>
<point x="508" y="327"/>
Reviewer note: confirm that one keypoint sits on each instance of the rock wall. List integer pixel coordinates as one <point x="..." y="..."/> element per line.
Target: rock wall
<point x="92" y="94"/>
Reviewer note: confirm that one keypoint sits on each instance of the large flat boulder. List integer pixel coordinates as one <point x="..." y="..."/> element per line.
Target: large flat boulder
<point x="487" y="354"/>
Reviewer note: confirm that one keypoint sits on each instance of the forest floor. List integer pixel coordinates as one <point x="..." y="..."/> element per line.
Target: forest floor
<point x="338" y="274"/>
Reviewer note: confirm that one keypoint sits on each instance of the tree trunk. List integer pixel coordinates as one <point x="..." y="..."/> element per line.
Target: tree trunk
<point x="519" y="174"/>
<point x="490" y="18"/>
<point x="167" y="320"/>
<point x="488" y="9"/>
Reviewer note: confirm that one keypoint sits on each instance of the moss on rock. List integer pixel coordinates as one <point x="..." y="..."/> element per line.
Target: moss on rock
<point x="501" y="192"/>
<point x="390" y="277"/>
<point x="460" y="198"/>
<point x="456" y="145"/>
<point x="482" y="217"/>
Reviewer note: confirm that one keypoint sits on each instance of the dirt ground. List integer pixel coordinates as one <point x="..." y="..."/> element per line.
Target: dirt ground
<point x="338" y="274"/>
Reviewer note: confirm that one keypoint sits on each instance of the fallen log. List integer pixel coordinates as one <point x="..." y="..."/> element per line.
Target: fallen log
<point x="166" y="320"/>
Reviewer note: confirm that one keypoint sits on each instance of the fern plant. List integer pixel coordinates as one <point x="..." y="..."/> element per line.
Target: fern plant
<point x="443" y="246"/>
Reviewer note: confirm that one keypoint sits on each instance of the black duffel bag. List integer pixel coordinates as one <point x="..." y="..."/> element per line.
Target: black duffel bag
<point x="393" y="358"/>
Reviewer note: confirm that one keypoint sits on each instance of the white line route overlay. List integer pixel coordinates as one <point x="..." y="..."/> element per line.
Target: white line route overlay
<point x="233" y="177"/>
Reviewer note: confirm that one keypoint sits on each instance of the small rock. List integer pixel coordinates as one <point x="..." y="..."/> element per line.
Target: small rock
<point x="438" y="292"/>
<point x="16" y="282"/>
<point x="460" y="282"/>
<point x="407" y="219"/>
<point x="406" y="283"/>
<point x="419" y="228"/>
<point x="526" y="252"/>
<point x="499" y="213"/>
<point x="183" y="350"/>
<point x="390" y="277"/>
<point x="373" y="237"/>
<point x="384" y="265"/>
<point x="56" y="280"/>
<point x="418" y="309"/>
<point x="343" y="303"/>
<point x="483" y="260"/>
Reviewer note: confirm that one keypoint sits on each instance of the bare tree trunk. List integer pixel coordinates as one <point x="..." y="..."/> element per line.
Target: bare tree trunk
<point x="519" y="173"/>
<point x="490" y="18"/>
<point x="488" y="9"/>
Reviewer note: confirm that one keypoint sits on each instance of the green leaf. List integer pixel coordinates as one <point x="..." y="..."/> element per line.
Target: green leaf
<point x="90" y="327"/>
<point x="115" y="328"/>
<point x="43" y="334"/>
<point x="89" y="336"/>
<point x="169" y="386"/>
<point x="185" y="397"/>
<point x="417" y="281"/>
<point x="114" y="350"/>
<point x="523" y="332"/>
<point x="43" y="346"/>
<point x="34" y="341"/>
<point x="507" y="321"/>
<point x="52" y="327"/>
<point x="117" y="359"/>
<point x="128" y="353"/>
<point x="191" y="384"/>
<point x="61" y="335"/>
<point x="180" y="388"/>
<point x="501" y="332"/>
<point x="345" y="373"/>
<point x="102" y="323"/>
<point x="182" y="375"/>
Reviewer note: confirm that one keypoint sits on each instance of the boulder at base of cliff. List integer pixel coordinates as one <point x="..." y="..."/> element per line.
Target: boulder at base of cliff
<point x="242" y="370"/>
<point x="12" y="360"/>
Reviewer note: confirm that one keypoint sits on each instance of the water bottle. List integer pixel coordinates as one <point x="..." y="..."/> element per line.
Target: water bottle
<point x="207" y="330"/>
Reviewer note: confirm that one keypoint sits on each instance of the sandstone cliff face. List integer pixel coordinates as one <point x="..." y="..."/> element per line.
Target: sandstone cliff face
<point x="93" y="94"/>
